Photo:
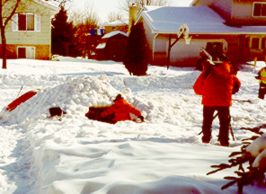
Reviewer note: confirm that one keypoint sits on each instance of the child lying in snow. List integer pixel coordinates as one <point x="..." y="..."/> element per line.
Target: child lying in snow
<point x="120" y="110"/>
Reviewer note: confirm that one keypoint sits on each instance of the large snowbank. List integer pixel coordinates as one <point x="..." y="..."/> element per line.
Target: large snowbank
<point x="77" y="155"/>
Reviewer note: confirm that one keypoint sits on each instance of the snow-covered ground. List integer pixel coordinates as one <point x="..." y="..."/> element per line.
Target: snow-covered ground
<point x="75" y="155"/>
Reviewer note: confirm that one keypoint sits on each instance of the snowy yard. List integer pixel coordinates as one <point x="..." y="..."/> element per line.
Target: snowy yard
<point x="75" y="155"/>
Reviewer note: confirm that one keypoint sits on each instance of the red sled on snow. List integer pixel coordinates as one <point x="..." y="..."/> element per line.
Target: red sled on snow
<point x="23" y="98"/>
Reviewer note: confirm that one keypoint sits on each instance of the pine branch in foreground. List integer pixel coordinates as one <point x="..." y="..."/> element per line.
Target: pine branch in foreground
<point x="246" y="174"/>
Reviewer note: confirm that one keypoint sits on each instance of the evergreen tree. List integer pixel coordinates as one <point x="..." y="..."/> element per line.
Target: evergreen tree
<point x="62" y="33"/>
<point x="136" y="59"/>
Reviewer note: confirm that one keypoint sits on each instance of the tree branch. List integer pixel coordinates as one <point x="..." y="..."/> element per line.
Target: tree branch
<point x="8" y="18"/>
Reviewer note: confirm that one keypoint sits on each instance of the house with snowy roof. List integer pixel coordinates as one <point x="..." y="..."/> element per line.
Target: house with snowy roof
<point x="112" y="46"/>
<point x="29" y="32"/>
<point x="205" y="23"/>
<point x="117" y="25"/>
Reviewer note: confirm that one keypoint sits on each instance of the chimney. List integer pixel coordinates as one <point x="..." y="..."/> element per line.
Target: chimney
<point x="133" y="13"/>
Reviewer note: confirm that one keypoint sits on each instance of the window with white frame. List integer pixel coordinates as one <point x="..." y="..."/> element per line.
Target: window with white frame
<point x="26" y="22"/>
<point x="259" y="9"/>
<point x="27" y="52"/>
<point x="257" y="43"/>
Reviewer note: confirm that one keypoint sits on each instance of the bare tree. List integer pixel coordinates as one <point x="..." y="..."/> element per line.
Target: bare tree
<point x="113" y="16"/>
<point x="141" y="3"/>
<point x="86" y="37"/>
<point x="7" y="10"/>
<point x="84" y="14"/>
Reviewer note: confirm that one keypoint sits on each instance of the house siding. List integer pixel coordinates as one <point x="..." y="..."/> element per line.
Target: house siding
<point x="41" y="51"/>
<point x="116" y="47"/>
<point x="235" y="12"/>
<point x="111" y="28"/>
<point x="28" y="37"/>
<point x="238" y="12"/>
<point x="242" y="13"/>
<point x="150" y="37"/>
<point x="236" y="48"/>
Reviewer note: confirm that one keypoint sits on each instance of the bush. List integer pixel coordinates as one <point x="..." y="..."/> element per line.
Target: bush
<point x="136" y="60"/>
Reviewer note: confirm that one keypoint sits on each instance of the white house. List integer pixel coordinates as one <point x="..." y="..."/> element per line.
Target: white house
<point x="205" y="25"/>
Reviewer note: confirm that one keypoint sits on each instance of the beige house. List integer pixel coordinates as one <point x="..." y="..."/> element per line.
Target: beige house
<point x="117" y="25"/>
<point x="29" y="32"/>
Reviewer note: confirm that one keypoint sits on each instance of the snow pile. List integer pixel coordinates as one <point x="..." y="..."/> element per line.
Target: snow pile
<point x="84" y="92"/>
<point x="258" y="150"/>
<point x="76" y="155"/>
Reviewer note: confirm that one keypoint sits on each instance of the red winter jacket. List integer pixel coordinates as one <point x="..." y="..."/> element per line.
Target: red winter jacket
<point x="121" y="111"/>
<point x="217" y="86"/>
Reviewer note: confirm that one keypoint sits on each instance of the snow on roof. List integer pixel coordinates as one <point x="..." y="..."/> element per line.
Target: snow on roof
<point x="200" y="19"/>
<point x="101" y="45"/>
<point x="113" y="33"/>
<point x="49" y="3"/>
<point x="116" y="23"/>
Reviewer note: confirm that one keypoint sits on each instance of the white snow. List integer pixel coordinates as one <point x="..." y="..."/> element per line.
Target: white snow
<point x="114" y="33"/>
<point x="257" y="149"/>
<point x="257" y="146"/>
<point x="75" y="155"/>
<point x="200" y="19"/>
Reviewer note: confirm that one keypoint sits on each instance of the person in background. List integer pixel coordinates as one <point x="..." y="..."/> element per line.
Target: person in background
<point x="262" y="79"/>
<point x="216" y="84"/>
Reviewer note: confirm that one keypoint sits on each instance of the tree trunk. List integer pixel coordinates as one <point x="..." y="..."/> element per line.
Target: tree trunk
<point x="3" y="36"/>
<point x="4" y="20"/>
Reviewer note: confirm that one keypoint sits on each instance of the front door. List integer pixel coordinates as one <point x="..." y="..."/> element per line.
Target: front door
<point x="26" y="52"/>
<point x="22" y="52"/>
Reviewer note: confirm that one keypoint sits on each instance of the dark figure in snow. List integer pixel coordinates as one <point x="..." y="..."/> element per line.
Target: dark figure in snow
<point x="120" y="110"/>
<point x="262" y="79"/>
<point x="216" y="84"/>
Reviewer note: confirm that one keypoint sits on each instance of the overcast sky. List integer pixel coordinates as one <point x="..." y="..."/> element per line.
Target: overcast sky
<point x="104" y="7"/>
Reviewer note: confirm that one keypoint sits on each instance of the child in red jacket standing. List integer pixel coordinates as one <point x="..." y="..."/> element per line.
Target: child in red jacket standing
<point x="216" y="84"/>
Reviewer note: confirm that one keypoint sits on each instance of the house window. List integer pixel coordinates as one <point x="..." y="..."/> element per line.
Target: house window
<point x="263" y="43"/>
<point x="26" y="52"/>
<point x="259" y="9"/>
<point x="26" y="22"/>
<point x="257" y="43"/>
<point x="22" y="52"/>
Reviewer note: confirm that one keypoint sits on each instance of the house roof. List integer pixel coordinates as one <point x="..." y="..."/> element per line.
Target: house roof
<point x="200" y="20"/>
<point x="114" y="33"/>
<point x="101" y="45"/>
<point x="53" y="5"/>
<point x="116" y="23"/>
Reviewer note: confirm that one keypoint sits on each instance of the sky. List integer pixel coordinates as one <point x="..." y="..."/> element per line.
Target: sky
<point x="77" y="155"/>
<point x="104" y="7"/>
